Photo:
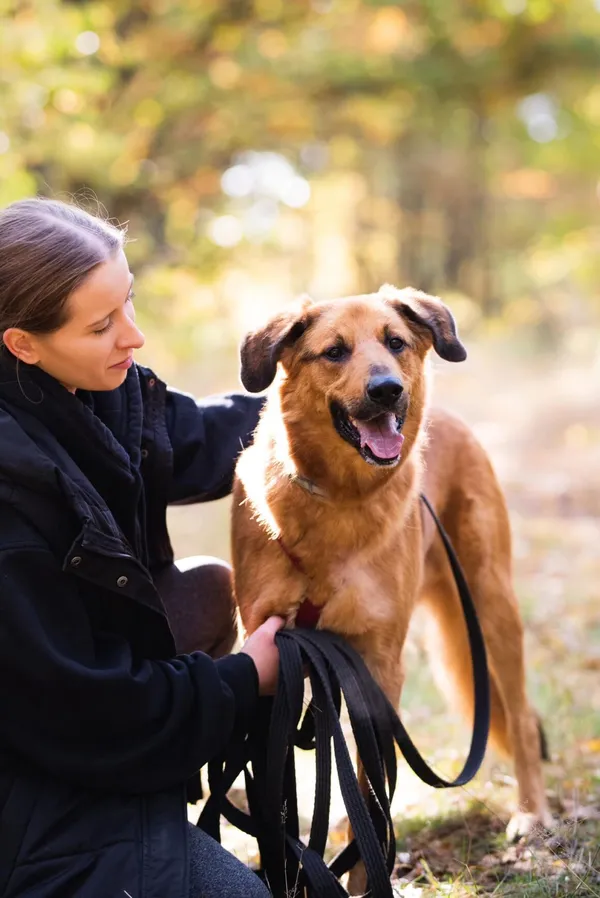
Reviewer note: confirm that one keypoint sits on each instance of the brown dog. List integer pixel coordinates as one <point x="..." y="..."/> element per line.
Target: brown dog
<point x="326" y="505"/>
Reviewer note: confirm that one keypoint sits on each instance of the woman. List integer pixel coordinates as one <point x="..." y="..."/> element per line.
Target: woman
<point x="103" y="720"/>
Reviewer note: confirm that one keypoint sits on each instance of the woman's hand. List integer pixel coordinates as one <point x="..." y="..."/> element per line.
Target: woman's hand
<point x="265" y="654"/>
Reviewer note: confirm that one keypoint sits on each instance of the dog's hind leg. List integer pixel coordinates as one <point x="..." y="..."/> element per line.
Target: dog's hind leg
<point x="514" y="729"/>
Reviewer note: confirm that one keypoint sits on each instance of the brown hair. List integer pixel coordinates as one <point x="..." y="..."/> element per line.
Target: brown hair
<point x="47" y="249"/>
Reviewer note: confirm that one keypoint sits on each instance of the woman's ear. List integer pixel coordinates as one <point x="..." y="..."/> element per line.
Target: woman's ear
<point x="22" y="345"/>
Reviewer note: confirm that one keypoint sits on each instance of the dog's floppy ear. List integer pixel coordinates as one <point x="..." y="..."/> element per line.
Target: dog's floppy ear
<point x="431" y="313"/>
<point x="262" y="349"/>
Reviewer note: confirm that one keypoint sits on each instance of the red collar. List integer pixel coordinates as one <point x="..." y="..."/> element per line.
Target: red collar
<point x="308" y="615"/>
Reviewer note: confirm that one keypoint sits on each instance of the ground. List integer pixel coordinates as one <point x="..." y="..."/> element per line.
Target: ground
<point x="538" y="416"/>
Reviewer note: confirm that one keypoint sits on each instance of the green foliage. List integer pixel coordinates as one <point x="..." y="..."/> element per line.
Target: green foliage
<point x="472" y="128"/>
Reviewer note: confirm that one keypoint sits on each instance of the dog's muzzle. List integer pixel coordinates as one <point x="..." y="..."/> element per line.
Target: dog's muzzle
<point x="375" y="428"/>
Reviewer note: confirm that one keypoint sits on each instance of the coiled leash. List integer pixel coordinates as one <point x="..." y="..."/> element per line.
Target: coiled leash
<point x="289" y="866"/>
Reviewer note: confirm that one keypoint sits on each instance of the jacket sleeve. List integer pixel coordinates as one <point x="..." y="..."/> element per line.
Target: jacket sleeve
<point x="78" y="705"/>
<point x="207" y="436"/>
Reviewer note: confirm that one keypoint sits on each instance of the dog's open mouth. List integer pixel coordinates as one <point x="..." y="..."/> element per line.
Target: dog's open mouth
<point x="378" y="439"/>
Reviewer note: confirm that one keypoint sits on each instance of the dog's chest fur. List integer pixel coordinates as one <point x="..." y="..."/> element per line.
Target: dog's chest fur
<point x="359" y="562"/>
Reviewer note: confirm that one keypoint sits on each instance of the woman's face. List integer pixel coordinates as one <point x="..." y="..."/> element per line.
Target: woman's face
<point x="94" y="349"/>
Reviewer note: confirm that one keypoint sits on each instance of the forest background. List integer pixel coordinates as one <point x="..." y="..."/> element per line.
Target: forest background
<point x="258" y="149"/>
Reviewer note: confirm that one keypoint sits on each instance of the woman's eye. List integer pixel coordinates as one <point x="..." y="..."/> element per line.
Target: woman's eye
<point x="335" y="353"/>
<point x="103" y="330"/>
<point x="396" y="344"/>
<point x="131" y="297"/>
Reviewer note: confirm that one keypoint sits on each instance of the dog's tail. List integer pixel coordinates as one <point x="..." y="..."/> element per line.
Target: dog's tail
<point x="543" y="740"/>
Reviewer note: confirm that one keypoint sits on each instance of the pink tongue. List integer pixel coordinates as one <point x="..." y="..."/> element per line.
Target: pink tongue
<point x="381" y="436"/>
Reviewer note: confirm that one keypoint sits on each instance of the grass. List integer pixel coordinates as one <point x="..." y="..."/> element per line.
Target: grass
<point x="465" y="853"/>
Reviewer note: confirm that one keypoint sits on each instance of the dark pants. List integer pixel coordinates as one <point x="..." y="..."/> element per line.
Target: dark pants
<point x="215" y="873"/>
<point x="198" y="598"/>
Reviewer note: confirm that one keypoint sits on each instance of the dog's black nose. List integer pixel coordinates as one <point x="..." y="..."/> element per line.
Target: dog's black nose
<point x="385" y="390"/>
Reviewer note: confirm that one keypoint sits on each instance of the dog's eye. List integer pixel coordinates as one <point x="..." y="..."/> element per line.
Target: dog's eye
<point x="335" y="353"/>
<point x="396" y="344"/>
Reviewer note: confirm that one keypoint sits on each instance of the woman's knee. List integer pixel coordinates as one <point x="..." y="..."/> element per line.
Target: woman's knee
<point x="198" y="595"/>
<point x="215" y="873"/>
<point x="219" y="567"/>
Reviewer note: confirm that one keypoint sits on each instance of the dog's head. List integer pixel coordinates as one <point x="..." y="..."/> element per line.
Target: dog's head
<point x="354" y="365"/>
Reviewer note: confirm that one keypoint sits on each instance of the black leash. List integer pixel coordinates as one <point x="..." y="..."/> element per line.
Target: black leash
<point x="290" y="866"/>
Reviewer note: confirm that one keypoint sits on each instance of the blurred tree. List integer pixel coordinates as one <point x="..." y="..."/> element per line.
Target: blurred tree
<point x="473" y="126"/>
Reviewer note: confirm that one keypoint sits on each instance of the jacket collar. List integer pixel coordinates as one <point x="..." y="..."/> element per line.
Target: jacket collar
<point x="86" y="447"/>
<point x="114" y="417"/>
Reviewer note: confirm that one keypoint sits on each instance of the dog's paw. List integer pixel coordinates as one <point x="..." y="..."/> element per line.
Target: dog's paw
<point x="290" y="619"/>
<point x="525" y="825"/>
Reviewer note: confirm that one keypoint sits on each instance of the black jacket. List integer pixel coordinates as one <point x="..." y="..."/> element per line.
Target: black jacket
<point x="100" y="724"/>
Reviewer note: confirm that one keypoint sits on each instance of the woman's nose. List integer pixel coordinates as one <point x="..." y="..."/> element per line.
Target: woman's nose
<point x="132" y="337"/>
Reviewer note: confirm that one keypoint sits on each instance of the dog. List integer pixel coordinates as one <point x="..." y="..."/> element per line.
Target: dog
<point x="326" y="506"/>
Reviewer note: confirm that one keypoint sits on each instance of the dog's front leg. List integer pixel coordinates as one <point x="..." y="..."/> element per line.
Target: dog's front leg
<point x="390" y="677"/>
<point x="264" y="584"/>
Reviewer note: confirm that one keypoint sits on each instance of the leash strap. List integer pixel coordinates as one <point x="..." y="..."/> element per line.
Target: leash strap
<point x="267" y="758"/>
